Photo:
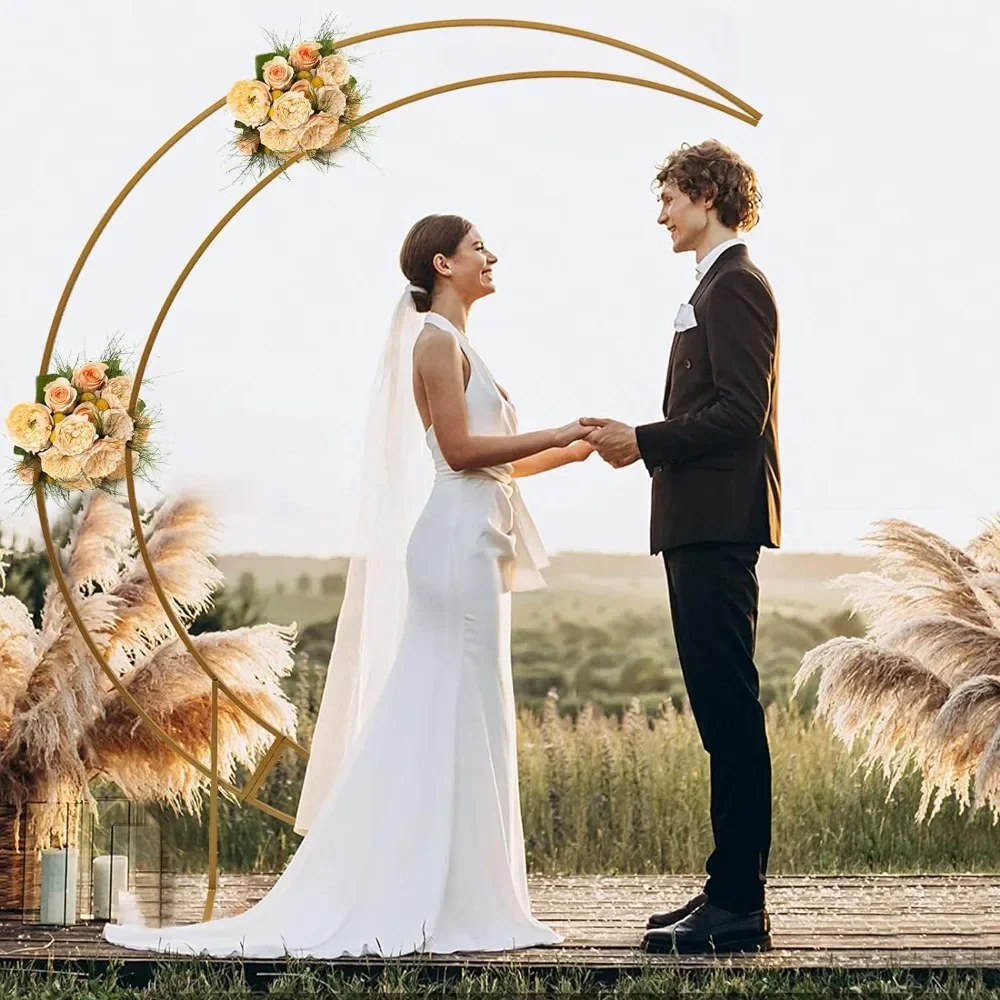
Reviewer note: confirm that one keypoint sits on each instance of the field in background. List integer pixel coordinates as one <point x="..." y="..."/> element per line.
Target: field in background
<point x="579" y="583"/>
<point x="600" y="632"/>
<point x="613" y="775"/>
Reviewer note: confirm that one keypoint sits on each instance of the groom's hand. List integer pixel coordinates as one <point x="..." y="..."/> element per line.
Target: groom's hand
<point x="615" y="442"/>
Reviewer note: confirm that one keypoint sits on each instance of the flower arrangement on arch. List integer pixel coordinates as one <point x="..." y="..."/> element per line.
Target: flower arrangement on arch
<point x="302" y="99"/>
<point x="74" y="435"/>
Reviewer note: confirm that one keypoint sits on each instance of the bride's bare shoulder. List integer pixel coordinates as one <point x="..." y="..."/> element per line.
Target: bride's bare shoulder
<point x="433" y="342"/>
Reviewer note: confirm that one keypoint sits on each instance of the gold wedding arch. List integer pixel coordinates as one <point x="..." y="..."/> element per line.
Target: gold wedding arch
<point x="735" y="107"/>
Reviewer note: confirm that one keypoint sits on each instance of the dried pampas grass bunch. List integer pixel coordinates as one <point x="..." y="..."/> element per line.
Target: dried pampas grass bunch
<point x="62" y="724"/>
<point x="923" y="688"/>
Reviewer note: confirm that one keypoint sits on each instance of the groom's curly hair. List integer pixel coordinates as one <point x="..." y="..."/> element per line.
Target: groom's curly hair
<point x="713" y="170"/>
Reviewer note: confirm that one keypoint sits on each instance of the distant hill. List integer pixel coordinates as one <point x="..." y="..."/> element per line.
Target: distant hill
<point x="789" y="579"/>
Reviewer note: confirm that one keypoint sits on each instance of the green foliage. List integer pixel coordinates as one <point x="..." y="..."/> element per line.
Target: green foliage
<point x="27" y="571"/>
<point x="232" y="607"/>
<point x="295" y="980"/>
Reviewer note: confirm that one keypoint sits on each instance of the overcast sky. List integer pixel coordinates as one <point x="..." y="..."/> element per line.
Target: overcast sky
<point x="877" y="154"/>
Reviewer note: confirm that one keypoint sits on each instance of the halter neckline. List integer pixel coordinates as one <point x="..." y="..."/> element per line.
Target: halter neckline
<point x="445" y="323"/>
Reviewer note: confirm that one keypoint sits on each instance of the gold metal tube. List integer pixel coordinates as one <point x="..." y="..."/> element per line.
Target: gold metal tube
<point x="105" y="219"/>
<point x="747" y="114"/>
<point x="213" y="808"/>
<point x="263" y="768"/>
<point x="558" y="29"/>
<point x="88" y="639"/>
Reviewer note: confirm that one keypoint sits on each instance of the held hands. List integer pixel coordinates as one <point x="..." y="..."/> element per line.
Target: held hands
<point x="614" y="441"/>
<point x="570" y="433"/>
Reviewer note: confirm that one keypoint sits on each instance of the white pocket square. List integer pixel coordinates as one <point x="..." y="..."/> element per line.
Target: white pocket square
<point x="684" y="319"/>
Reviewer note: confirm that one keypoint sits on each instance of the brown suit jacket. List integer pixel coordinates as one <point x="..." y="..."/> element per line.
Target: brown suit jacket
<point x="714" y="457"/>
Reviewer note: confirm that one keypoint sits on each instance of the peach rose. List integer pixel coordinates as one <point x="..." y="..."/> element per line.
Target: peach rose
<point x="103" y="457"/>
<point x="29" y="471"/>
<point x="305" y="55"/>
<point x="333" y="70"/>
<point x="248" y="101"/>
<point x="249" y="142"/>
<point x="61" y="467"/>
<point x="304" y="87"/>
<point x="117" y="424"/>
<point x="279" y="140"/>
<point x="338" y="140"/>
<point x="332" y="100"/>
<point x="73" y="436"/>
<point x="91" y="376"/>
<point x="118" y="392"/>
<point x="29" y="426"/>
<point x="318" y="131"/>
<point x="60" y="395"/>
<point x="277" y="74"/>
<point x="291" y="110"/>
<point x="88" y="410"/>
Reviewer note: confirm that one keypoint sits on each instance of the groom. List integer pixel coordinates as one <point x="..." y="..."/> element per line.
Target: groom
<point x="716" y="499"/>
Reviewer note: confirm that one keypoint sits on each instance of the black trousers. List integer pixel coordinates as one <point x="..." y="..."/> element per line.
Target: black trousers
<point x="713" y="603"/>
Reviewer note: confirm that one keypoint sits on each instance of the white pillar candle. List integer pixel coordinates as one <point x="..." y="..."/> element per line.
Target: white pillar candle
<point x="59" y="881"/>
<point x="110" y="879"/>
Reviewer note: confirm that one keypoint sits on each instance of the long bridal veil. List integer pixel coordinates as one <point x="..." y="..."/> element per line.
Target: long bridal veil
<point x="396" y="479"/>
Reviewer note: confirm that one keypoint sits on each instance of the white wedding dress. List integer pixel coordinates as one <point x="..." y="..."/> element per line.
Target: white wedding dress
<point x="418" y="845"/>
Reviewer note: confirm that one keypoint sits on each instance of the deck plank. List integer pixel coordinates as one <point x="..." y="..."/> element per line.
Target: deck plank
<point x="848" y="922"/>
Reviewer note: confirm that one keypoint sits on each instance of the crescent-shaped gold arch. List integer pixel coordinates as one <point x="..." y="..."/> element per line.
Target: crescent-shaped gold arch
<point x="282" y="741"/>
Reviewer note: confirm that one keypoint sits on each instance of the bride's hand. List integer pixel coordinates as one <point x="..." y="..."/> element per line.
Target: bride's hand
<point x="569" y="433"/>
<point x="581" y="450"/>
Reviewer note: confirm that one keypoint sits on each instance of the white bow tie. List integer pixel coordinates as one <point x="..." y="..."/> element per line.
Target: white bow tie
<point x="685" y="318"/>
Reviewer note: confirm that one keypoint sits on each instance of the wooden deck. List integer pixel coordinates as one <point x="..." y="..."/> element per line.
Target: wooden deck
<point x="818" y="922"/>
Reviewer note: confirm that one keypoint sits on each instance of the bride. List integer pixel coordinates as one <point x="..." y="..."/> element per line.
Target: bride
<point x="410" y="798"/>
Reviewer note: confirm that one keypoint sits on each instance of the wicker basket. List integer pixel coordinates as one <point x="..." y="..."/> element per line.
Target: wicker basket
<point x="20" y="855"/>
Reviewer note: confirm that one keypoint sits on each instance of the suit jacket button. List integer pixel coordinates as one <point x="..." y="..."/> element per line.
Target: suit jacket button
<point x="687" y="362"/>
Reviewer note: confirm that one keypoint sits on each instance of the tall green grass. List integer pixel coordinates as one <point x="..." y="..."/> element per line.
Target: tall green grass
<point x="204" y="981"/>
<point x="606" y="794"/>
<point x="602" y="794"/>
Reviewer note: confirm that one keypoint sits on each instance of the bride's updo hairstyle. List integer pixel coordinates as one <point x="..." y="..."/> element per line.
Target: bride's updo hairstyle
<point x="432" y="235"/>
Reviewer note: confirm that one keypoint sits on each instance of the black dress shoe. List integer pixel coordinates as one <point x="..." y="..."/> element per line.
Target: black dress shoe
<point x="710" y="929"/>
<point x="666" y="919"/>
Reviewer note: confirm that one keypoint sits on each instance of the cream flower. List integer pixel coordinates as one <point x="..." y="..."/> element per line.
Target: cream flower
<point x="29" y="426"/>
<point x="74" y="435"/>
<point x="118" y="392"/>
<point x="249" y="142"/>
<point x="318" y="131"/>
<point x="103" y="457"/>
<point x="91" y="376"/>
<point x="338" y="140"/>
<point x="332" y="100"/>
<point x="248" y="101"/>
<point x="117" y="424"/>
<point x="277" y="74"/>
<point x="279" y="140"/>
<point x="60" y="395"/>
<point x="60" y="466"/>
<point x="291" y="110"/>
<point x="119" y="471"/>
<point x="333" y="70"/>
<point x="305" y="55"/>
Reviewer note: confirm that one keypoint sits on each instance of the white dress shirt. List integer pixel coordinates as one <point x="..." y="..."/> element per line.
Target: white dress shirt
<point x="685" y="318"/>
<point x="701" y="268"/>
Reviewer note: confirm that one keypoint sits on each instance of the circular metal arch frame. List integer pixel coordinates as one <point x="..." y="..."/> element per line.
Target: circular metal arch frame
<point x="735" y="107"/>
